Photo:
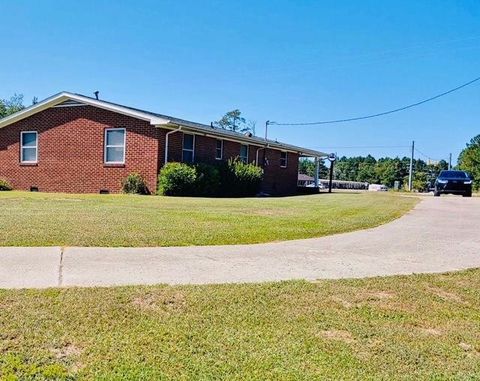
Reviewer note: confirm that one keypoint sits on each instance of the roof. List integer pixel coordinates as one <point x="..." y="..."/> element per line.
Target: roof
<point x="303" y="177"/>
<point x="157" y="120"/>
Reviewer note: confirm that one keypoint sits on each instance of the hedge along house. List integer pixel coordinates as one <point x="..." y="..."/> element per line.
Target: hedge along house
<point x="78" y="144"/>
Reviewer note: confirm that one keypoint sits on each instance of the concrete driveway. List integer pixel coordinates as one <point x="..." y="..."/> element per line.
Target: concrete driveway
<point x="440" y="234"/>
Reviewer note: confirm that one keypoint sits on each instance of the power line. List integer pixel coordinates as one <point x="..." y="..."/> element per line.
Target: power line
<point x="380" y="113"/>
<point x="425" y="155"/>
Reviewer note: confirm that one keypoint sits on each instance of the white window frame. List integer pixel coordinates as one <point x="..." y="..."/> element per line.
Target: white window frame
<point x="188" y="149"/>
<point x="286" y="159"/>
<point x="31" y="147"/>
<point x="240" y="154"/>
<point x="221" y="149"/>
<point x="106" y="146"/>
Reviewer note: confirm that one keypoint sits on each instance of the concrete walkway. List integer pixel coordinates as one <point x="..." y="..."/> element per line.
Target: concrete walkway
<point x="440" y="234"/>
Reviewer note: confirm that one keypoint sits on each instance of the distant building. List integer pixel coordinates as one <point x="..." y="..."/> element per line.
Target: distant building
<point x="305" y="180"/>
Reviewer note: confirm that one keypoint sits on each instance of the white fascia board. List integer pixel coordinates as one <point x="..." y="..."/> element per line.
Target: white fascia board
<point x="25" y="113"/>
<point x="119" y="109"/>
<point x="64" y="96"/>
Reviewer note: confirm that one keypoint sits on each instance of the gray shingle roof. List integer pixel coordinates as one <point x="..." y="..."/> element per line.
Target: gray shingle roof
<point x="207" y="129"/>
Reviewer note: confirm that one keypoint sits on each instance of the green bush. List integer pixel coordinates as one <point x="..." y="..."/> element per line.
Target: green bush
<point x="134" y="184"/>
<point x="5" y="185"/>
<point x="233" y="178"/>
<point x="240" y="179"/>
<point x="177" y="179"/>
<point x="207" y="181"/>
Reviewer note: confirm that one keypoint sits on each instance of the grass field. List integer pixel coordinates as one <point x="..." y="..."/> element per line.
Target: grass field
<point x="408" y="327"/>
<point x="41" y="219"/>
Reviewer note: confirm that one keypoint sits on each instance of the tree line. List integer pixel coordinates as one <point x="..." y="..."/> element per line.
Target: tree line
<point x="387" y="170"/>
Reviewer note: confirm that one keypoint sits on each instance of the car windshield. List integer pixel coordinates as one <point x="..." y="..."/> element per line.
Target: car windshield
<point x="453" y="175"/>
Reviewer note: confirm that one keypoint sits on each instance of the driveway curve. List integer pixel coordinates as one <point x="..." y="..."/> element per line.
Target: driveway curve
<point x="439" y="234"/>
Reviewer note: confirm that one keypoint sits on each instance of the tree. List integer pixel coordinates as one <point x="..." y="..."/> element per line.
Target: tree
<point x="307" y="167"/>
<point x="234" y="121"/>
<point x="469" y="160"/>
<point x="11" y="106"/>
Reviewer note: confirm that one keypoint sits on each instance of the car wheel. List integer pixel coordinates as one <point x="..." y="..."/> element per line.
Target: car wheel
<point x="468" y="194"/>
<point x="436" y="194"/>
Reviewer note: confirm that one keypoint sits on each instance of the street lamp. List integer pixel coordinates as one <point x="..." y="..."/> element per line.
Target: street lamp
<point x="332" y="158"/>
<point x="267" y="123"/>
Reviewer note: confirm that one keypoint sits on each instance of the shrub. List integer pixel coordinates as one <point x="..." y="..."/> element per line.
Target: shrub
<point x="177" y="179"/>
<point x="233" y="178"/>
<point x="241" y="179"/>
<point x="134" y="184"/>
<point x="207" y="182"/>
<point x="5" y="185"/>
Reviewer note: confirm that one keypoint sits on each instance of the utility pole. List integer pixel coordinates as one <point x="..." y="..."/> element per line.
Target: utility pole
<point x="410" y="174"/>
<point x="266" y="129"/>
<point x="450" y="162"/>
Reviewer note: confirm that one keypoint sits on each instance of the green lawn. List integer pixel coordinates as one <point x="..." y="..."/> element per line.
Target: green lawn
<point x="409" y="327"/>
<point x="42" y="219"/>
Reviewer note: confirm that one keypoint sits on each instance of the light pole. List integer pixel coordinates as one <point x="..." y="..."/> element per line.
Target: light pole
<point x="332" y="158"/>
<point x="267" y="123"/>
<point x="266" y="129"/>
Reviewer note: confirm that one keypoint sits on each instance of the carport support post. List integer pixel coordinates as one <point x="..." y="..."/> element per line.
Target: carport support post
<point x="317" y="169"/>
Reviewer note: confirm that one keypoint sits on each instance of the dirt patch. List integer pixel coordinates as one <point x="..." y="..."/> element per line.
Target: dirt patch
<point x="67" y="351"/>
<point x="445" y="295"/>
<point x="430" y="331"/>
<point x="344" y="303"/>
<point x="375" y="296"/>
<point x="161" y="301"/>
<point x="467" y="347"/>
<point x="340" y="335"/>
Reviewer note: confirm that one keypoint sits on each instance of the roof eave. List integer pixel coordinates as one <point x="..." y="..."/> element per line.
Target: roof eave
<point x="246" y="139"/>
<point x="64" y="96"/>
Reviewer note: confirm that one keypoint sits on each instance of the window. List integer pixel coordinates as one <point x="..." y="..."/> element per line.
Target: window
<point x="283" y="159"/>
<point x="115" y="145"/>
<point x="188" y="151"/>
<point x="29" y="147"/>
<point x="219" y="150"/>
<point x="244" y="153"/>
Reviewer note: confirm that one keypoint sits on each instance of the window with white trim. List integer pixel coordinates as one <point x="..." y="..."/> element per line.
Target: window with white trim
<point x="115" y="139"/>
<point x="219" y="150"/>
<point x="244" y="153"/>
<point x="29" y="147"/>
<point x="283" y="159"/>
<point x="188" y="151"/>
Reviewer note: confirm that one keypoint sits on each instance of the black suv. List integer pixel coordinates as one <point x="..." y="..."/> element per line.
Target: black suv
<point x="454" y="182"/>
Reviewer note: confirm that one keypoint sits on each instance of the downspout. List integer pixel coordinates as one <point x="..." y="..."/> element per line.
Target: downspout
<point x="166" y="142"/>
<point x="256" y="156"/>
<point x="258" y="150"/>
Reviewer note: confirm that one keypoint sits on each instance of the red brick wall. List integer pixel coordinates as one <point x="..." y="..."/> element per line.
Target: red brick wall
<point x="71" y="151"/>
<point x="277" y="180"/>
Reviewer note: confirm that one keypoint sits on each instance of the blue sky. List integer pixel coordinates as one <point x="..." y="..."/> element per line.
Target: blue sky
<point x="286" y="61"/>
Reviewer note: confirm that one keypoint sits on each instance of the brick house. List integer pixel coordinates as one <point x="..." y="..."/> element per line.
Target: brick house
<point x="78" y="144"/>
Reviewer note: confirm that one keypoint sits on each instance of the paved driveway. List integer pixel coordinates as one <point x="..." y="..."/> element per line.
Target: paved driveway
<point x="440" y="234"/>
